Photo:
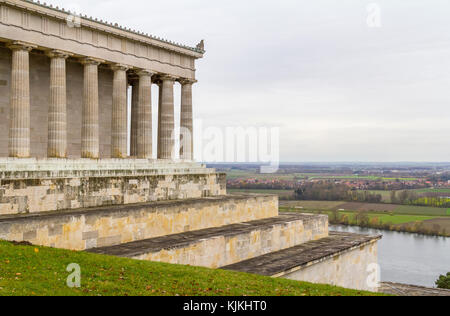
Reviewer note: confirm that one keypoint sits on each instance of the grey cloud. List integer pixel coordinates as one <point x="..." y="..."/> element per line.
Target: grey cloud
<point x="314" y="67"/>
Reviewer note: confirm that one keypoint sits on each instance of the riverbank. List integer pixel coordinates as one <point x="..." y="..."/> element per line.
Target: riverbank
<point x="407" y="258"/>
<point x="412" y="219"/>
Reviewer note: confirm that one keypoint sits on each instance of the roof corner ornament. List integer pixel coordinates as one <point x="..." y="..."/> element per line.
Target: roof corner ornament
<point x="201" y="45"/>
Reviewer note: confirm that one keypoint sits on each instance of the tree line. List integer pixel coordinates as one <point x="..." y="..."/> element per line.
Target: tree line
<point x="330" y="191"/>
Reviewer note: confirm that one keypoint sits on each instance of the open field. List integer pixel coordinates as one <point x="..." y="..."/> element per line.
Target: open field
<point x="443" y="190"/>
<point x="387" y="194"/>
<point x="369" y="207"/>
<point x="263" y="191"/>
<point x="253" y="174"/>
<point x="433" y="225"/>
<point x="246" y="174"/>
<point x="349" y="176"/>
<point x="29" y="270"/>
<point x="398" y="216"/>
<point x="393" y="219"/>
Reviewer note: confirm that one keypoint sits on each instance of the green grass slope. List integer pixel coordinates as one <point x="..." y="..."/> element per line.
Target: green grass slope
<point x="29" y="270"/>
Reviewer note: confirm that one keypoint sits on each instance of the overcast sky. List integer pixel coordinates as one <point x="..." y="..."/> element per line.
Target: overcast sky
<point x="338" y="89"/>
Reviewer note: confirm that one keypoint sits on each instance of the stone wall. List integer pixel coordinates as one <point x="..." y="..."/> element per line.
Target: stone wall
<point x="227" y="249"/>
<point x="114" y="225"/>
<point x="40" y="194"/>
<point x="349" y="269"/>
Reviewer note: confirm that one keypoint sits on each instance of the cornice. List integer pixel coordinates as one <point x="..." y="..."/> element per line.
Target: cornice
<point x="107" y="27"/>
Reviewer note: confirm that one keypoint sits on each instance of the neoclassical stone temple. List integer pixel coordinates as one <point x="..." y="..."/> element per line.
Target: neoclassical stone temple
<point x="73" y="177"/>
<point x="51" y="64"/>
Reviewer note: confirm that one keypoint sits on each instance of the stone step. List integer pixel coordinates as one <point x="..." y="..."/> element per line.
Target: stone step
<point x="111" y="225"/>
<point x="221" y="246"/>
<point x="341" y="259"/>
<point x="399" y="289"/>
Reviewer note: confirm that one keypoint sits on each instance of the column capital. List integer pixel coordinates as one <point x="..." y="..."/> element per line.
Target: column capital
<point x="91" y="61"/>
<point x="165" y="77"/>
<point x="185" y="81"/>
<point x="19" y="45"/>
<point x="144" y="72"/>
<point x="58" y="54"/>
<point x="121" y="67"/>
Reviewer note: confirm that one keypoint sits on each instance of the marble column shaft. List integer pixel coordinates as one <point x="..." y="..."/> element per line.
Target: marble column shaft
<point x="186" y="121"/>
<point x="134" y="115"/>
<point x="90" y="126"/>
<point x="19" y="128"/>
<point x="166" y="127"/>
<point x="119" y="126"/>
<point x="57" y="112"/>
<point x="144" y="116"/>
<point x="160" y="86"/>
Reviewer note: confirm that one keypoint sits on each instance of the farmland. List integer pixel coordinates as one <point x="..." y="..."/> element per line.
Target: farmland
<point x="388" y="216"/>
<point x="253" y="173"/>
<point x="411" y="198"/>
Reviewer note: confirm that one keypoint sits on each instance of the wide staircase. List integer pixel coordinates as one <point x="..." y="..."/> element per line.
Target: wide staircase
<point x="236" y="232"/>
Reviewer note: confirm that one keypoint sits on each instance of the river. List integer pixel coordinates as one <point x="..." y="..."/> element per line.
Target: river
<point x="408" y="258"/>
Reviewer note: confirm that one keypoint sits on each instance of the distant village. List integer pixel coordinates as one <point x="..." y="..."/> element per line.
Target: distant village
<point x="367" y="180"/>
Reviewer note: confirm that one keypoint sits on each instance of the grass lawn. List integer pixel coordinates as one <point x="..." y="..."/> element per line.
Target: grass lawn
<point x="393" y="219"/>
<point x="421" y="210"/>
<point x="385" y="218"/>
<point x="29" y="270"/>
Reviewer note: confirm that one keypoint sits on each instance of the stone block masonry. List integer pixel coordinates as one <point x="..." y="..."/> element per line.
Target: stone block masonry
<point x="78" y="186"/>
<point x="106" y="226"/>
<point x="341" y="259"/>
<point x="221" y="246"/>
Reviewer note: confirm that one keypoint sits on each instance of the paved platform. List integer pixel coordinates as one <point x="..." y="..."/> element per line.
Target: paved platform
<point x="290" y="260"/>
<point x="50" y="168"/>
<point x="219" y="246"/>
<point x="411" y="290"/>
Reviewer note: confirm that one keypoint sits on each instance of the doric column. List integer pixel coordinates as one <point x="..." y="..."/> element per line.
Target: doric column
<point x="90" y="128"/>
<point x="160" y="88"/>
<point x="57" y="111"/>
<point x="186" y="119"/>
<point x="134" y="115"/>
<point x="166" y="124"/>
<point x="119" y="122"/>
<point x="19" y="128"/>
<point x="144" y="116"/>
